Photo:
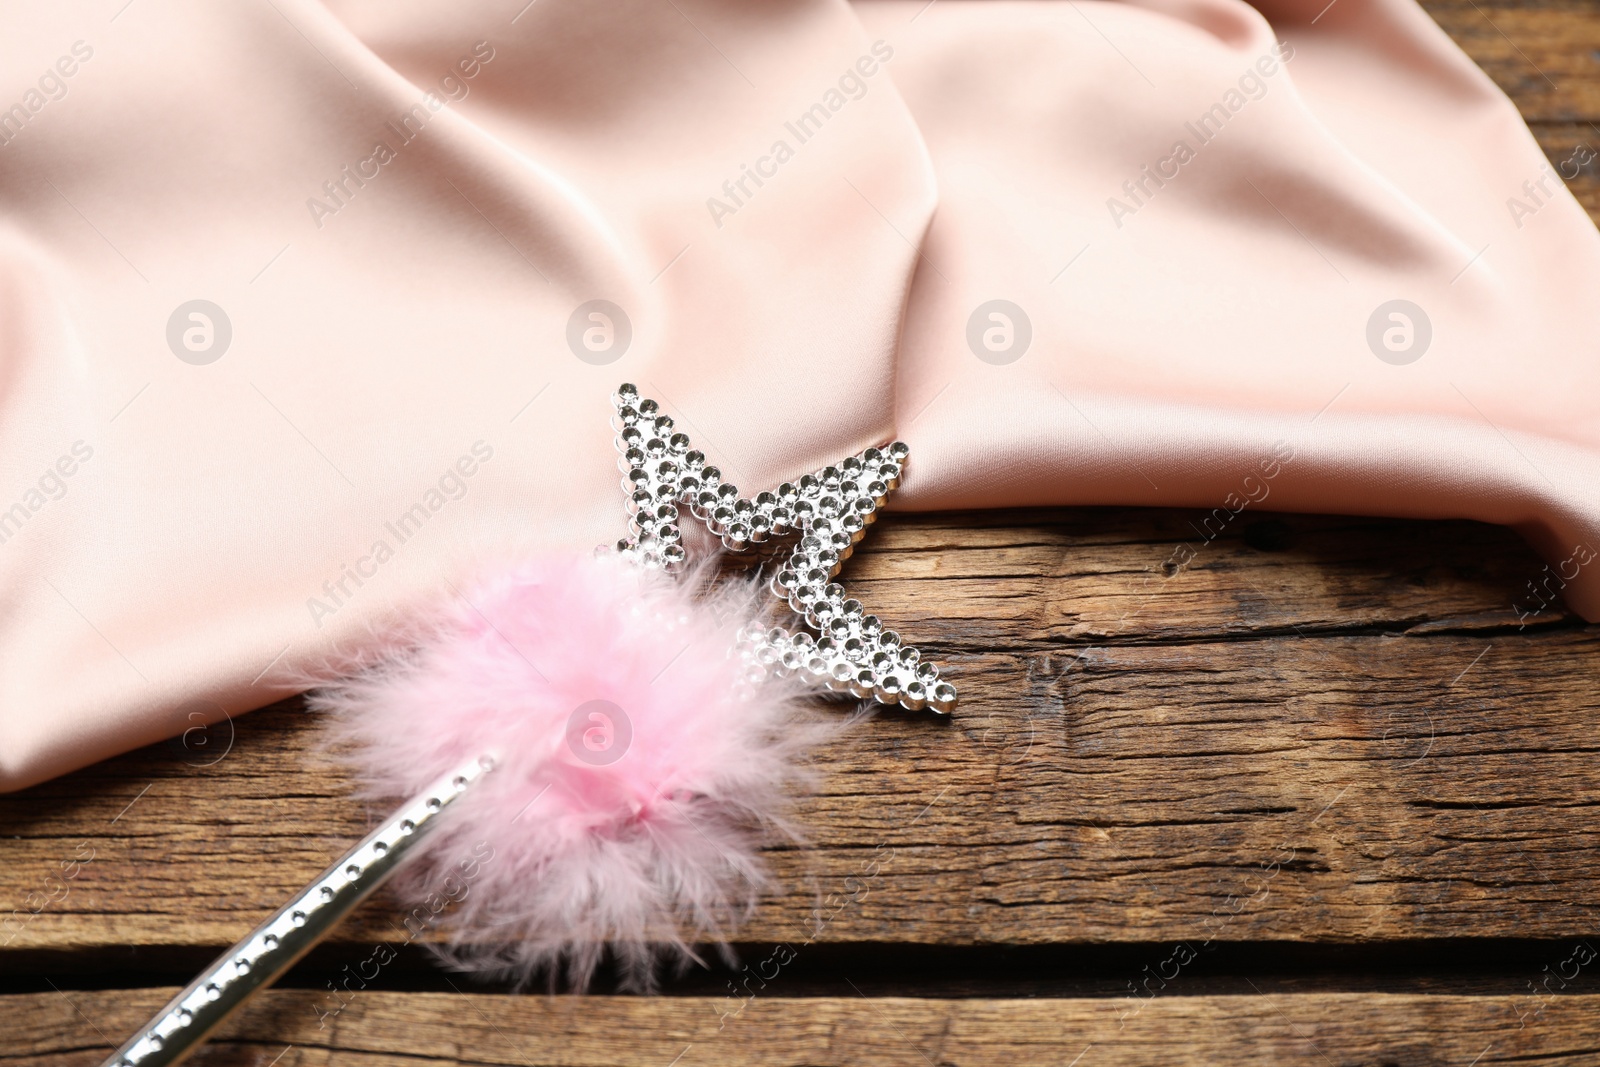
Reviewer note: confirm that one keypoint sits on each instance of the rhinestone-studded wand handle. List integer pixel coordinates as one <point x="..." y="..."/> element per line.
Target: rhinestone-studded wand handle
<point x="274" y="946"/>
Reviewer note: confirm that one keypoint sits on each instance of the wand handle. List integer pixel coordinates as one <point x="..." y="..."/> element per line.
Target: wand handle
<point x="274" y="946"/>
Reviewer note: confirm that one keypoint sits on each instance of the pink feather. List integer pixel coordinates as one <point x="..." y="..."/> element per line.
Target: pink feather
<point x="639" y="829"/>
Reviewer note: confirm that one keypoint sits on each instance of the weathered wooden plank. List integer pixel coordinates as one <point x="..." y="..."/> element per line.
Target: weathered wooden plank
<point x="1034" y="579"/>
<point x="1540" y="53"/>
<point x="1347" y="784"/>
<point x="1573" y="149"/>
<point x="284" y="1027"/>
<point x="1241" y="747"/>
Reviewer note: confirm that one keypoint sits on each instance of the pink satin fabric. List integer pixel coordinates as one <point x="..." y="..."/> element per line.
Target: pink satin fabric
<point x="404" y="368"/>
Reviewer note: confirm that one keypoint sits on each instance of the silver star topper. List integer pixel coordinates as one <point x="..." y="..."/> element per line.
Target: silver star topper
<point x="829" y="511"/>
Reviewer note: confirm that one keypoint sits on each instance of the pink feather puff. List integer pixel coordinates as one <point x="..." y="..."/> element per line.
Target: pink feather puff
<point x="637" y="763"/>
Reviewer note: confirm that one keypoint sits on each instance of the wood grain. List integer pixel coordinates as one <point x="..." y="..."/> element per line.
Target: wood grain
<point x="1319" y="730"/>
<point x="374" y="1029"/>
<point x="1540" y="52"/>
<point x="1567" y="145"/>
<point x="1324" y="734"/>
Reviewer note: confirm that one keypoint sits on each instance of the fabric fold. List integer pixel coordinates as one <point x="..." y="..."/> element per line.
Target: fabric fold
<point x="307" y="308"/>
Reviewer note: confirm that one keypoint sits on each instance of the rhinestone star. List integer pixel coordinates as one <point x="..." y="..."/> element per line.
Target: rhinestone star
<point x="827" y="512"/>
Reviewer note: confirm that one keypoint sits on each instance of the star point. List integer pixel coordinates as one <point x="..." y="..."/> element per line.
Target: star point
<point x="825" y="513"/>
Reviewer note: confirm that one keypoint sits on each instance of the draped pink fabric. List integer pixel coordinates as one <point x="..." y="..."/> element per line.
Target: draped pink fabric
<point x="1072" y="252"/>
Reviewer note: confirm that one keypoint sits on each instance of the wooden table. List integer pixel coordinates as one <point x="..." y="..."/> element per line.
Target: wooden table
<point x="1326" y="795"/>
